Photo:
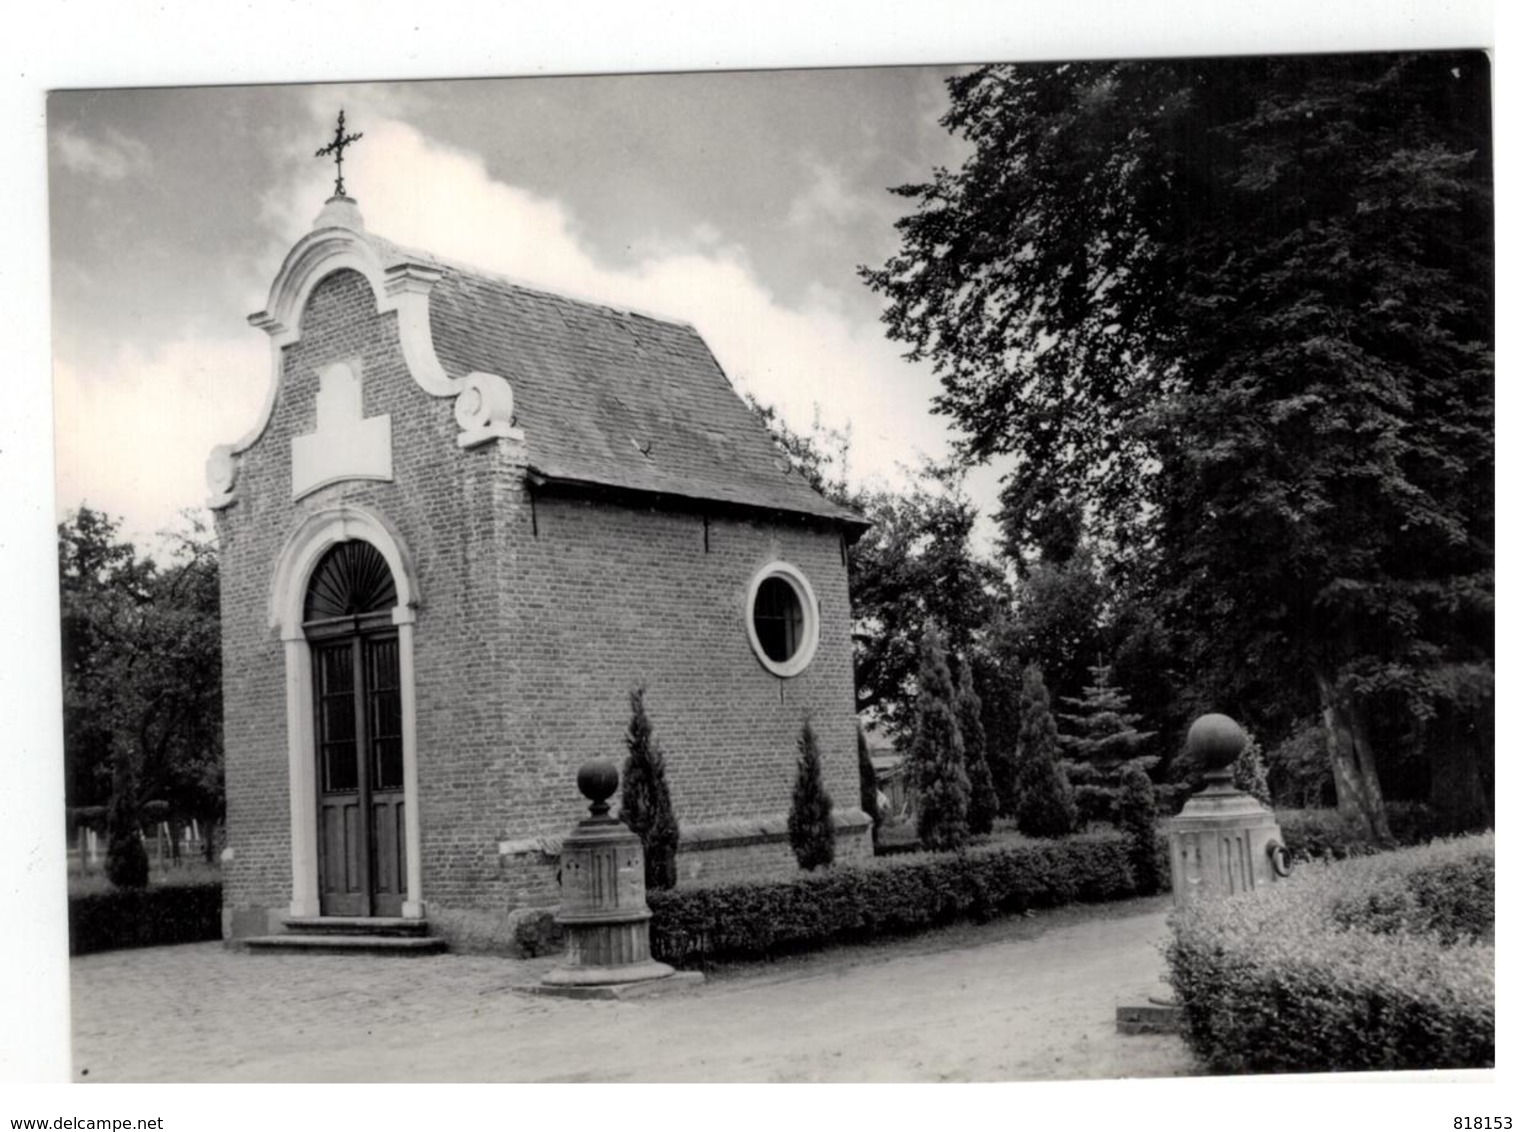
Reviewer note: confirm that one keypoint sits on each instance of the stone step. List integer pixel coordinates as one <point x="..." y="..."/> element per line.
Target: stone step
<point x="355" y="925"/>
<point x="1147" y="1018"/>
<point x="349" y="944"/>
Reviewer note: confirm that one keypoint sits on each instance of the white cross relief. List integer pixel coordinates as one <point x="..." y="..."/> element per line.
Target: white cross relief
<point x="347" y="445"/>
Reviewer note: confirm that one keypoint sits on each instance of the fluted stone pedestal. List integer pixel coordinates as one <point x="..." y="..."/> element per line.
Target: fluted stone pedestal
<point x="1222" y="842"/>
<point x="602" y="906"/>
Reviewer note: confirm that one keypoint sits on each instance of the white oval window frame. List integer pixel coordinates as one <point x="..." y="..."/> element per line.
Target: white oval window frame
<point x="810" y="603"/>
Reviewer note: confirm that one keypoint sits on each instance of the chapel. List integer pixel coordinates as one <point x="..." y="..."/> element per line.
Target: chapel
<point x="472" y="517"/>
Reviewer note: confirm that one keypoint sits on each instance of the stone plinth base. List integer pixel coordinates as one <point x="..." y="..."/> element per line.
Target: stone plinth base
<point x="675" y="981"/>
<point x="1147" y="1018"/>
<point x="591" y="975"/>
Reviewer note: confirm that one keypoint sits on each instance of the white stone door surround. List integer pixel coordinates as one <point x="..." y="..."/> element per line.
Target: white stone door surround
<point x="293" y="571"/>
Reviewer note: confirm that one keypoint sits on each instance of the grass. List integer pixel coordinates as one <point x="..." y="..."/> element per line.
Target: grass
<point x="189" y="872"/>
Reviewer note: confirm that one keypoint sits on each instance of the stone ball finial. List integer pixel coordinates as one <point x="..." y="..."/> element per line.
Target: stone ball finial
<point x="597" y="780"/>
<point x="1215" y="740"/>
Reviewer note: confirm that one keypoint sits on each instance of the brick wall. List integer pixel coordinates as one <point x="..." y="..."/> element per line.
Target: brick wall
<point x="526" y="644"/>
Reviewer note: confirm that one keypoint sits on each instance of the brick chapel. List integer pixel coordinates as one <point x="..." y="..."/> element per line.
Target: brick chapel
<point x="471" y="517"/>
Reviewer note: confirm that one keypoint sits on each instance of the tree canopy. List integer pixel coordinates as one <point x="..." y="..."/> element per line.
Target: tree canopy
<point x="142" y="667"/>
<point x="1238" y="314"/>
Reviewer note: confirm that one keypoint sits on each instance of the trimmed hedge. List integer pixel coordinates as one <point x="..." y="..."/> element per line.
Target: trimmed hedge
<point x="1382" y="962"/>
<point x="148" y="917"/>
<point x="889" y="897"/>
<point x="1326" y="835"/>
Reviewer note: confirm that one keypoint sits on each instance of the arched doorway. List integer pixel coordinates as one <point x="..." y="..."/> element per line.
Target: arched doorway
<point x="357" y="732"/>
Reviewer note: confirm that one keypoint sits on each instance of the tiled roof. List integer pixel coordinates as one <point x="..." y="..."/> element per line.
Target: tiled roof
<point x="615" y="399"/>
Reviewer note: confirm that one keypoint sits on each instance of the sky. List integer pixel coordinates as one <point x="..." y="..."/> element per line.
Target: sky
<point x="742" y="202"/>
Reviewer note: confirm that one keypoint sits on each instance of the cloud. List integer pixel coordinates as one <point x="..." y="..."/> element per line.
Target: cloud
<point x="110" y="160"/>
<point x="826" y="201"/>
<point x="133" y="434"/>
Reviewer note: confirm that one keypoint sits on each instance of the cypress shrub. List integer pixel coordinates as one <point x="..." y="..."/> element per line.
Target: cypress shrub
<point x="1137" y="814"/>
<point x="126" y="858"/>
<point x="1248" y="773"/>
<point x="936" y="753"/>
<point x="810" y="827"/>
<point x="645" y="801"/>
<point x="983" y="802"/>
<point x="1044" y="806"/>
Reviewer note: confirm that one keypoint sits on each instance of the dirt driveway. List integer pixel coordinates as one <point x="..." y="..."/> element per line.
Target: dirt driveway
<point x="1024" y="999"/>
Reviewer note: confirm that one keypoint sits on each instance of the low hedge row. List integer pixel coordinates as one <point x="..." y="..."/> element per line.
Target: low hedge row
<point x="1327" y="835"/>
<point x="104" y="921"/>
<point x="1383" y="962"/>
<point x="889" y="896"/>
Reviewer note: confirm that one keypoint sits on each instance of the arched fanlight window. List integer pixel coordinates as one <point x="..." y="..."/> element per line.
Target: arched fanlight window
<point x="351" y="580"/>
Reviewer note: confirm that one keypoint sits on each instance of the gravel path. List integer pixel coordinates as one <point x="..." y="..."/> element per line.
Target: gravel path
<point x="1024" y="999"/>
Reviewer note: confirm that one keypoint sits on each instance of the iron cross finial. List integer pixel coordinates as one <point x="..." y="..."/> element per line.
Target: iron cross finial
<point x="336" y="147"/>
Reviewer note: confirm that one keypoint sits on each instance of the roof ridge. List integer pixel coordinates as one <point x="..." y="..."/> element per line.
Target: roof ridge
<point x="502" y="277"/>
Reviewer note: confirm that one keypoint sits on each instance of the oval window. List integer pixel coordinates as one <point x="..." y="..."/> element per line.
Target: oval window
<point x="783" y="621"/>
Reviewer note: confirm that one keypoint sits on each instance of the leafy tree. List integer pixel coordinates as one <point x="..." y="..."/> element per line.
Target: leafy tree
<point x="821" y="455"/>
<point x="935" y="755"/>
<point x="1044" y="805"/>
<point x="142" y="667"/>
<point x="914" y="566"/>
<point x="1104" y="734"/>
<point x="867" y="775"/>
<point x="810" y="826"/>
<point x="1299" y="771"/>
<point x="1059" y="610"/>
<point x="645" y="799"/>
<point x="1248" y="773"/>
<point x="126" y="858"/>
<point x="982" y="802"/>
<point x="1240" y="311"/>
<point x="1136" y="813"/>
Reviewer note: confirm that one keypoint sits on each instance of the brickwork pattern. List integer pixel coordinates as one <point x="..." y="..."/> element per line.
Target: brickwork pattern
<point x="537" y="615"/>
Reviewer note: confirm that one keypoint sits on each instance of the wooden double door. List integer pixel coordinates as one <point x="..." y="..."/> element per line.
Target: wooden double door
<point x="362" y="849"/>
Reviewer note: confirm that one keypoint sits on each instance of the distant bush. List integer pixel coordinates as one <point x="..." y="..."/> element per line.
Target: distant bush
<point x="1378" y="963"/>
<point x="890" y="896"/>
<point x="138" y="917"/>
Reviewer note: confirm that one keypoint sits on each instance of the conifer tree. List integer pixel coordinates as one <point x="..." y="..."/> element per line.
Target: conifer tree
<point x="983" y="802"/>
<point x="1248" y="773"/>
<point x="645" y="802"/>
<point x="810" y="826"/>
<point x="1044" y="805"/>
<point x="935" y="755"/>
<point x="1137" y="817"/>
<point x="868" y="775"/>
<point x="1103" y="731"/>
<point x="126" y="859"/>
